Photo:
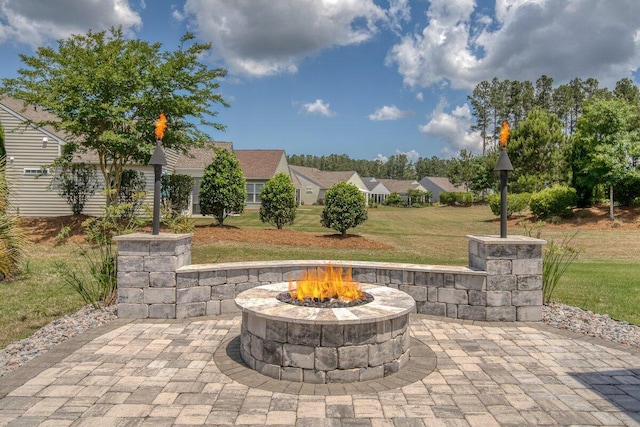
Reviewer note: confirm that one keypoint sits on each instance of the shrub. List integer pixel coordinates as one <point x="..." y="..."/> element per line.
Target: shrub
<point x="13" y="242"/>
<point x="132" y="193"/>
<point x="99" y="287"/>
<point x="223" y="187"/>
<point x="394" y="199"/>
<point x="345" y="207"/>
<point x="279" y="205"/>
<point x="456" y="198"/>
<point x="554" y="201"/>
<point x="176" y="190"/>
<point x="76" y="183"/>
<point x="516" y="203"/>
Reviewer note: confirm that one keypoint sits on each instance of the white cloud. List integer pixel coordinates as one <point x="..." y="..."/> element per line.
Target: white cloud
<point x="462" y="45"/>
<point x="390" y="112"/>
<point x="420" y="96"/>
<point x="35" y="22"/>
<point x="453" y="129"/>
<point x="259" y="38"/>
<point x="381" y="158"/>
<point x="318" y="107"/>
<point x="412" y="155"/>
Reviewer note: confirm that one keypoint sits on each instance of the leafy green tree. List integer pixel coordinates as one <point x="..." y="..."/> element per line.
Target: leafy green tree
<point x="544" y="92"/>
<point x="132" y="192"/>
<point x="76" y="183"/>
<point x="606" y="146"/>
<point x="399" y="167"/>
<point x="481" y="108"/>
<point x="538" y="150"/>
<point x="107" y="91"/>
<point x="278" y="206"/>
<point x="345" y="208"/>
<point x="176" y="189"/>
<point x="431" y="167"/>
<point x="223" y="188"/>
<point x="627" y="90"/>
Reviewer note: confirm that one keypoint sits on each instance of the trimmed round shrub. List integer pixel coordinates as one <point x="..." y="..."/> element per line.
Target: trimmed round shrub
<point x="345" y="207"/>
<point x="394" y="199"/>
<point x="456" y="198"/>
<point x="516" y="203"/>
<point x="554" y="201"/>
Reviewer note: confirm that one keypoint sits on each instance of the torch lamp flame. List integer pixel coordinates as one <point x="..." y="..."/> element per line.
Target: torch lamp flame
<point x="161" y="126"/>
<point x="504" y="134"/>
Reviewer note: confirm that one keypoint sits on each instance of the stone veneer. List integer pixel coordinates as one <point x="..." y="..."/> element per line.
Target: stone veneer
<point x="502" y="283"/>
<point x="325" y="345"/>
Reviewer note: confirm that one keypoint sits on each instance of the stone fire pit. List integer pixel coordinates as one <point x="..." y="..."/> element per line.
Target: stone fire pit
<point x="325" y="345"/>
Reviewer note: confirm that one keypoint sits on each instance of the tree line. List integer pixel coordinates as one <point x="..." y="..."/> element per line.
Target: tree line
<point x="398" y="166"/>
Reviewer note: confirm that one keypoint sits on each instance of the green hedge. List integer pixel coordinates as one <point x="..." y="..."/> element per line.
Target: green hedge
<point x="457" y="198"/>
<point x="516" y="203"/>
<point x="555" y="201"/>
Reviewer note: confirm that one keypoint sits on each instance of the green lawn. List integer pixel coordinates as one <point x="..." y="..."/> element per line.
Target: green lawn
<point x="605" y="278"/>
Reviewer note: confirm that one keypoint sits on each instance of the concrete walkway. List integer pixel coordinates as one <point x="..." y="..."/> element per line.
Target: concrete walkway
<point x="166" y="373"/>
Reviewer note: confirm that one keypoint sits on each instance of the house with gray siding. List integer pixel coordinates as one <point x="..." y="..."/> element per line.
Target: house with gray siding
<point x="30" y="148"/>
<point x="314" y="183"/>
<point x="438" y="185"/>
<point x="258" y="166"/>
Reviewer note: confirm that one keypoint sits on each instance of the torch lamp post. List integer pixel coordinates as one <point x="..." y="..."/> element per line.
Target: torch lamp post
<point x="503" y="166"/>
<point x="158" y="159"/>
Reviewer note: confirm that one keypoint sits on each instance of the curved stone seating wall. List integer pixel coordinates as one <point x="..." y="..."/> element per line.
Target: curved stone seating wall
<point x="502" y="283"/>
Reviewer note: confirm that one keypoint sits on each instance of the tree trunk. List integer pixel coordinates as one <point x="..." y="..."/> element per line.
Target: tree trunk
<point x="611" y="202"/>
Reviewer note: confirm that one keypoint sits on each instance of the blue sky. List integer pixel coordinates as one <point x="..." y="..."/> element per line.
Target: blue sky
<point x="368" y="78"/>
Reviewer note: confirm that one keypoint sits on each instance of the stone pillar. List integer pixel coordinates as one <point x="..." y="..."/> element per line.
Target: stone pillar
<point x="514" y="275"/>
<point x="146" y="277"/>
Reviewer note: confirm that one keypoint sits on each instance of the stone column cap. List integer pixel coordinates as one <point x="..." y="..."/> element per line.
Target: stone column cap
<point x="148" y="236"/>
<point x="509" y="240"/>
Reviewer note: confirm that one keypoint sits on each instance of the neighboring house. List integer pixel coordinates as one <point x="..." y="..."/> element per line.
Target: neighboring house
<point x="314" y="183"/>
<point x="383" y="187"/>
<point x="439" y="184"/>
<point x="193" y="164"/>
<point x="29" y="148"/>
<point x="377" y="191"/>
<point x="258" y="166"/>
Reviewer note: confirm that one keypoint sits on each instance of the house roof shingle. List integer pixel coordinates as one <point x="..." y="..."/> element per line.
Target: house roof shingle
<point x="442" y="182"/>
<point x="259" y="164"/>
<point x="399" y="186"/>
<point x="324" y="179"/>
<point x="201" y="157"/>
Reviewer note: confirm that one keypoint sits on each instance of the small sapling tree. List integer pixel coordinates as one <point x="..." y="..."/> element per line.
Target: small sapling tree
<point x="278" y="206"/>
<point x="222" y="190"/>
<point x="345" y="208"/>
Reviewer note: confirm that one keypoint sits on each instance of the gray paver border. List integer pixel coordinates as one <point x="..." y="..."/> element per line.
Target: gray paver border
<point x="422" y="362"/>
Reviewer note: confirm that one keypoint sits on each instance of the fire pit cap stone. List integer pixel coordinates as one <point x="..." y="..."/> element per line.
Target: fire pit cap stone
<point x="388" y="303"/>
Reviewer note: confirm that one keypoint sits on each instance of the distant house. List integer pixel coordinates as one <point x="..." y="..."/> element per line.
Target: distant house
<point x="29" y="148"/>
<point x="377" y="191"/>
<point x="439" y="184"/>
<point x="314" y="183"/>
<point x="381" y="188"/>
<point x="258" y="166"/>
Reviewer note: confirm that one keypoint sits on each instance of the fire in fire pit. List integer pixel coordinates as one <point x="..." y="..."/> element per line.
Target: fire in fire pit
<point x="327" y="287"/>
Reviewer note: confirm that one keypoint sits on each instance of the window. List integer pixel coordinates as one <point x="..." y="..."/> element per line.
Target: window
<point x="253" y="192"/>
<point x="35" y="171"/>
<point x="309" y="190"/>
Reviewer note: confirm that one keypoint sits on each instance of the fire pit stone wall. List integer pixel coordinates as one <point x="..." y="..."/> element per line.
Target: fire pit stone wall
<point x="502" y="283"/>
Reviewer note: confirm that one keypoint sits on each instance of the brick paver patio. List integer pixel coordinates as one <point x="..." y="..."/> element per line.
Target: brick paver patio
<point x="173" y="372"/>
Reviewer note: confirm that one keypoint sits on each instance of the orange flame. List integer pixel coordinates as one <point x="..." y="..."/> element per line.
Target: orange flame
<point x="326" y="283"/>
<point x="504" y="134"/>
<point x="161" y="126"/>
